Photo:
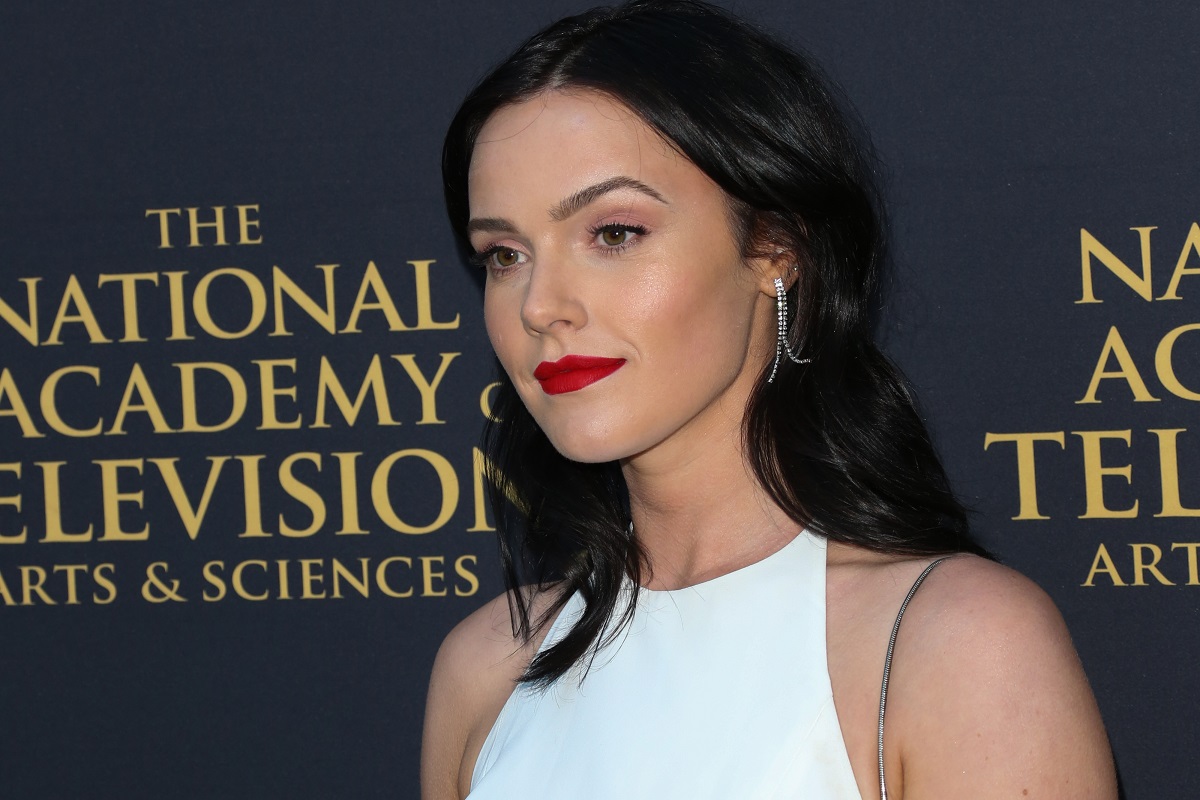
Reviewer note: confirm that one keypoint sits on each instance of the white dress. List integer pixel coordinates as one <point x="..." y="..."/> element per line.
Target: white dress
<point x="719" y="690"/>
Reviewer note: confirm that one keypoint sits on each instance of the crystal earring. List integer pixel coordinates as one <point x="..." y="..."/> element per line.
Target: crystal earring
<point x="781" y="339"/>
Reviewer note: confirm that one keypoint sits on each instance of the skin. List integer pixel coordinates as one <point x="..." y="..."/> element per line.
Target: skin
<point x="600" y="239"/>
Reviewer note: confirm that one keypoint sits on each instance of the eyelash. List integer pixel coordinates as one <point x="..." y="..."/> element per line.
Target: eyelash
<point x="617" y="227"/>
<point x="484" y="258"/>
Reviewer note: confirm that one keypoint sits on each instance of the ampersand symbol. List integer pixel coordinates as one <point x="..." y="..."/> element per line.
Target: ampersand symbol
<point x="155" y="590"/>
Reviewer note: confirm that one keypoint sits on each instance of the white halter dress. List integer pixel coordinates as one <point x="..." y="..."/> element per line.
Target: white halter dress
<point x="719" y="690"/>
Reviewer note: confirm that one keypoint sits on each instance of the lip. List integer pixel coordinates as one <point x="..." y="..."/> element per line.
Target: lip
<point x="572" y="373"/>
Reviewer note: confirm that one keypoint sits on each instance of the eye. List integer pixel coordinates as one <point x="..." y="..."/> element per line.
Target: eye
<point x="498" y="258"/>
<point x="505" y="257"/>
<point x="616" y="237"/>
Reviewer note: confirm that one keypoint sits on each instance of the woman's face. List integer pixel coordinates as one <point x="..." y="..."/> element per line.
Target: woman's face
<point x="617" y="299"/>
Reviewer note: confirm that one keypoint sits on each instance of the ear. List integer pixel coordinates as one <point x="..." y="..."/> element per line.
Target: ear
<point x="781" y="264"/>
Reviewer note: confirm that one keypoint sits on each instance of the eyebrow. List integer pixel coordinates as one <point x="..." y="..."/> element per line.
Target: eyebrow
<point x="583" y="197"/>
<point x="490" y="225"/>
<point x="570" y="205"/>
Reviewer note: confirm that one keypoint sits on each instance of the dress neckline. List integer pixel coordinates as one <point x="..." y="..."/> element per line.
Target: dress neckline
<point x="741" y="573"/>
<point x="680" y="636"/>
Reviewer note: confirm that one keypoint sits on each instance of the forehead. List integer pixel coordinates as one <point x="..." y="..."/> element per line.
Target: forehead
<point x="557" y="142"/>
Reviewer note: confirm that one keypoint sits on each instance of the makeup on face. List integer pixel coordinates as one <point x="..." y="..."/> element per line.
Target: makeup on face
<point x="572" y="373"/>
<point x="606" y="250"/>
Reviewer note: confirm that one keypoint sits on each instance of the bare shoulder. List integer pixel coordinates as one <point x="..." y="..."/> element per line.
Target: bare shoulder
<point x="986" y="679"/>
<point x="984" y="620"/>
<point x="983" y="605"/>
<point x="482" y="642"/>
<point x="476" y="669"/>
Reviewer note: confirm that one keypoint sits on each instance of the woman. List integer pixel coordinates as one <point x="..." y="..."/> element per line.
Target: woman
<point x="715" y="493"/>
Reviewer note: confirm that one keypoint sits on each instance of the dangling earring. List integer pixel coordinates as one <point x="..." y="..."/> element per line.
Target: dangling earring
<point x="781" y="339"/>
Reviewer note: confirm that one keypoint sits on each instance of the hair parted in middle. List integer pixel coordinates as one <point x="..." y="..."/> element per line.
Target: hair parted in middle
<point x="838" y="442"/>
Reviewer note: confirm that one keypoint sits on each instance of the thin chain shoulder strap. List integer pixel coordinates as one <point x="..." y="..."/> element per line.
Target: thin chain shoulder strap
<point x="887" y="666"/>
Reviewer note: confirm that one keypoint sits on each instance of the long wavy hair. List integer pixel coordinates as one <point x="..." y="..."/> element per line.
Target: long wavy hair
<point x="838" y="443"/>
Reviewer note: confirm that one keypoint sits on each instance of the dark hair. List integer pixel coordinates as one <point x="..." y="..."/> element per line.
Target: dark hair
<point x="838" y="442"/>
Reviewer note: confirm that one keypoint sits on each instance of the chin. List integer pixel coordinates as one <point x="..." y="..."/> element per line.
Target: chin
<point x="585" y="450"/>
<point x="587" y="444"/>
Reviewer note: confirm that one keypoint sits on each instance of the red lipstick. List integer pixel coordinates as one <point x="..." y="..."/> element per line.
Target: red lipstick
<point x="572" y="373"/>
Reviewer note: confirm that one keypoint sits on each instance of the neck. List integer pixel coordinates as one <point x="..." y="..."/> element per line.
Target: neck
<point x="700" y="512"/>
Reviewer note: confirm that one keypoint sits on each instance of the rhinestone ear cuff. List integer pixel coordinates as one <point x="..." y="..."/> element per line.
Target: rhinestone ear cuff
<point x="781" y="339"/>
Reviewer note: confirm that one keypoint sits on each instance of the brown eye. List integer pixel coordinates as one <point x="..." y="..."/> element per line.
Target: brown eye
<point x="506" y="257"/>
<point x="614" y="237"/>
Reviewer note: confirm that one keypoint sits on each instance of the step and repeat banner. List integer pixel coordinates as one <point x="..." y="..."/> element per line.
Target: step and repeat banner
<point x="243" y="369"/>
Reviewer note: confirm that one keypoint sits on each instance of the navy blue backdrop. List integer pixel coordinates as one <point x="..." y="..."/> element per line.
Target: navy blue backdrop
<point x="243" y="371"/>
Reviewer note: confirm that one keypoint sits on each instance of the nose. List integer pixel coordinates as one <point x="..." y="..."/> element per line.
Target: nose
<point x="552" y="299"/>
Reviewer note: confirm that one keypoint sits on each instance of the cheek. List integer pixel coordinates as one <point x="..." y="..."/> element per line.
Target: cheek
<point x="688" y="318"/>
<point x="510" y="342"/>
<point x="497" y="323"/>
<point x="653" y="316"/>
<point x="650" y="302"/>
